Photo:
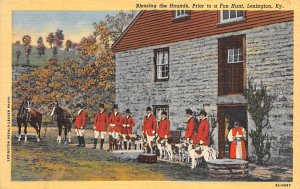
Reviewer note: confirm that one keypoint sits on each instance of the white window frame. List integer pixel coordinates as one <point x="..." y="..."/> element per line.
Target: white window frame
<point x="160" y="62"/>
<point x="231" y="55"/>
<point x="235" y="19"/>
<point x="181" y="13"/>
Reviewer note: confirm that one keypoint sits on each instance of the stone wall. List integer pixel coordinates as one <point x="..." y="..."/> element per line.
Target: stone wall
<point x="193" y="80"/>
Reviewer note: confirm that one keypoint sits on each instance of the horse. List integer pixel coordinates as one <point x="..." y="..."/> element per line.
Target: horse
<point x="26" y="115"/>
<point x="64" y="121"/>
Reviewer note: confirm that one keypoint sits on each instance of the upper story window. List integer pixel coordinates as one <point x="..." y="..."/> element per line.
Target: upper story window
<point x="161" y="61"/>
<point x="181" y="13"/>
<point x="231" y="16"/>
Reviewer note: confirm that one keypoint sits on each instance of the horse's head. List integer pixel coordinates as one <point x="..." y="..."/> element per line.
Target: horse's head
<point x="56" y="109"/>
<point x="24" y="110"/>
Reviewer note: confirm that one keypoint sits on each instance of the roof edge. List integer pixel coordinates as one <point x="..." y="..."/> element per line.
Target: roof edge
<point x="127" y="29"/>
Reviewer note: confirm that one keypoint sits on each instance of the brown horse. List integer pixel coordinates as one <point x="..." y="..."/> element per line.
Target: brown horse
<point x="64" y="121"/>
<point x="28" y="115"/>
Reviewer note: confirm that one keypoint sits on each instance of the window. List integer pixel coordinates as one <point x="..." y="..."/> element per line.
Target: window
<point x="235" y="55"/>
<point x="181" y="13"/>
<point x="161" y="60"/>
<point x="231" y="16"/>
<point x="157" y="111"/>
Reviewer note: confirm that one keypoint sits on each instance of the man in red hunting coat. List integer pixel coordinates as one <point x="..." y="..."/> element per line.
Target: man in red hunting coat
<point x="115" y="128"/>
<point x="80" y="125"/>
<point x="203" y="129"/>
<point x="128" y="124"/>
<point x="237" y="137"/>
<point x="189" y="132"/>
<point x="149" y="127"/>
<point x="100" y="125"/>
<point x="163" y="129"/>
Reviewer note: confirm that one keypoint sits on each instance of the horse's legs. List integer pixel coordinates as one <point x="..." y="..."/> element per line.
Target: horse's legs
<point x="69" y="132"/>
<point x="19" y="130"/>
<point x="39" y="127"/>
<point x="25" y="131"/>
<point x="34" y="125"/>
<point x="59" y="133"/>
<point x="66" y="133"/>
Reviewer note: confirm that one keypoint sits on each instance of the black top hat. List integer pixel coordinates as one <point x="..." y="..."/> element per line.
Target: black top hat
<point x="79" y="105"/>
<point x="189" y="111"/>
<point x="164" y="113"/>
<point x="148" y="109"/>
<point x="236" y="123"/>
<point x="203" y="112"/>
<point x="101" y="105"/>
<point x="116" y="106"/>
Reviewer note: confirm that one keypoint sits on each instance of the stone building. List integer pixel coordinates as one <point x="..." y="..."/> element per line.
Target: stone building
<point x="174" y="60"/>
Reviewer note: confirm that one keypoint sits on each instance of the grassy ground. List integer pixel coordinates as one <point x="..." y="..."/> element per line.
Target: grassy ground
<point x="49" y="161"/>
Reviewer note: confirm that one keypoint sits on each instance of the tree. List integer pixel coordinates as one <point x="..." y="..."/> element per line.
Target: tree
<point x="69" y="45"/>
<point x="50" y="39"/>
<point x="27" y="47"/>
<point x="54" y="51"/>
<point x="18" y="54"/>
<point x="259" y="106"/>
<point x="118" y="23"/>
<point x="41" y="47"/>
<point x="59" y="38"/>
<point x="18" y="42"/>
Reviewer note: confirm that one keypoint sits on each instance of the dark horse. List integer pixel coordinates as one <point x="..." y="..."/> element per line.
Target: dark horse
<point x="25" y="115"/>
<point x="64" y="121"/>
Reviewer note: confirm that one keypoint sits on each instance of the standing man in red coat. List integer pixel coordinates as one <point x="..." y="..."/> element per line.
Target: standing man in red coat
<point x="80" y="125"/>
<point x="203" y="129"/>
<point x="149" y="126"/>
<point x="128" y="124"/>
<point x="163" y="129"/>
<point x="100" y="124"/>
<point x="115" y="121"/>
<point x="189" y="132"/>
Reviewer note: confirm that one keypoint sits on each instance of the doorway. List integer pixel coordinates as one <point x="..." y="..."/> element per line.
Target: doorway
<point x="227" y="114"/>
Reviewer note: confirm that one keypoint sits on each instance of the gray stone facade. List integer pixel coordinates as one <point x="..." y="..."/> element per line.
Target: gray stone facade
<point x="193" y="81"/>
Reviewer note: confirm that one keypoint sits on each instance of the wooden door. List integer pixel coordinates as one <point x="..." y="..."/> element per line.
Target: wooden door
<point x="226" y="117"/>
<point x="231" y="61"/>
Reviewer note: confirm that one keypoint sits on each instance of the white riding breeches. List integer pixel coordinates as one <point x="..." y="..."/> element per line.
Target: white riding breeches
<point x="79" y="132"/>
<point x="101" y="133"/>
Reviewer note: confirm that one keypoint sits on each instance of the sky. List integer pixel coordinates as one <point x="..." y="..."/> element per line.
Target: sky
<point x="75" y="24"/>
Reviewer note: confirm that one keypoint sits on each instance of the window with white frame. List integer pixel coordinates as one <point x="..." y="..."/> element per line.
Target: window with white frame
<point x="235" y="55"/>
<point x="231" y="15"/>
<point x="158" y="109"/>
<point x="161" y="64"/>
<point x="181" y="13"/>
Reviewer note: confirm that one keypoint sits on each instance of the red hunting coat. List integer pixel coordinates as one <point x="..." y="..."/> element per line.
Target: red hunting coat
<point x="101" y="121"/>
<point x="127" y="121"/>
<point x="149" y="125"/>
<point x="203" y="132"/>
<point x="117" y="120"/>
<point x="80" y="120"/>
<point x="189" y="129"/>
<point x="163" y="128"/>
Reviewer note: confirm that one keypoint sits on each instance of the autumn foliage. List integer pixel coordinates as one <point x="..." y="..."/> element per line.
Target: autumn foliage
<point x="70" y="82"/>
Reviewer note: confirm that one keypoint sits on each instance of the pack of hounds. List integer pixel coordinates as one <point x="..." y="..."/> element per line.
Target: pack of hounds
<point x="167" y="149"/>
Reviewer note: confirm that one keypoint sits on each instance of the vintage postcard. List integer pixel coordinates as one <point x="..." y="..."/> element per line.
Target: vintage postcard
<point x="154" y="94"/>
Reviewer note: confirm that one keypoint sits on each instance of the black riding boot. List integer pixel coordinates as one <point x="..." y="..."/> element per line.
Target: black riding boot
<point x="79" y="141"/>
<point x="129" y="146"/>
<point x="101" y="144"/>
<point x="82" y="141"/>
<point x="95" y="143"/>
<point x="125" y="145"/>
<point x="110" y="146"/>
